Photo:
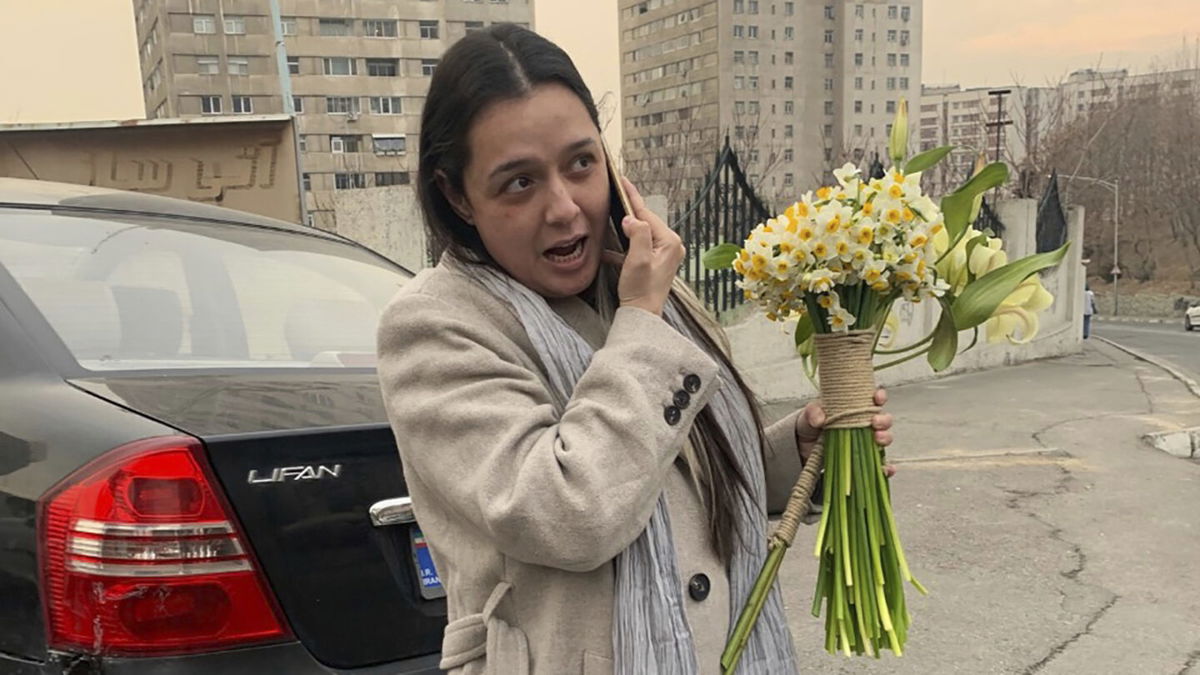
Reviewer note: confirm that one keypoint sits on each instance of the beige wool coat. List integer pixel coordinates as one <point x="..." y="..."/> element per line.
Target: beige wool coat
<point x="525" y="505"/>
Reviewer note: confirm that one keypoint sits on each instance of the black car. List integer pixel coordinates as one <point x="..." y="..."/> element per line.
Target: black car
<point x="196" y="471"/>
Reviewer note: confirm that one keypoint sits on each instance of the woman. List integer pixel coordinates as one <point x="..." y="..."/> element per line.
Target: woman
<point x="586" y="465"/>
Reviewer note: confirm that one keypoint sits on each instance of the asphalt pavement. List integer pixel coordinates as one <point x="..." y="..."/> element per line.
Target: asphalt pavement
<point x="1051" y="538"/>
<point x="1167" y="341"/>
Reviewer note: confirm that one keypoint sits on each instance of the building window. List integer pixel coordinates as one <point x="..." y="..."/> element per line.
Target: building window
<point x="858" y="130"/>
<point x="739" y="6"/>
<point x="380" y="28"/>
<point x="293" y="65"/>
<point x="789" y="8"/>
<point x="858" y="84"/>
<point x="752" y="57"/>
<point x="429" y="29"/>
<point x="858" y="34"/>
<point x="752" y="6"/>
<point x="739" y="82"/>
<point x="428" y="66"/>
<point x="308" y="176"/>
<point x="905" y="13"/>
<point x="385" y="178"/>
<point x="829" y="60"/>
<point x="858" y="11"/>
<point x="349" y="181"/>
<point x="235" y="25"/>
<point x="789" y="82"/>
<point x="789" y="107"/>
<point x="789" y="33"/>
<point x="892" y="9"/>
<point x="340" y="144"/>
<point x="904" y="35"/>
<point x="789" y="155"/>
<point x="334" y="27"/>
<point x="739" y="31"/>
<point x="891" y="107"/>
<point x="858" y="60"/>
<point x="904" y="83"/>
<point x="788" y="130"/>
<point x="474" y="26"/>
<point x="288" y="24"/>
<point x="858" y="106"/>
<point x="752" y="32"/>
<point x="340" y="65"/>
<point x="242" y="105"/>
<point x="390" y="145"/>
<point x="752" y="107"/>
<point x="789" y="179"/>
<point x="891" y="35"/>
<point x="788" y="58"/>
<point x="204" y="24"/>
<point x="752" y="82"/>
<point x="829" y="12"/>
<point x="210" y="105"/>
<point x="891" y="83"/>
<point x="341" y="105"/>
<point x="739" y="56"/>
<point x="239" y="66"/>
<point x="208" y="65"/>
<point x="383" y="67"/>
<point x="385" y="105"/>
<point x="891" y="60"/>
<point x="904" y="60"/>
<point x="298" y="104"/>
<point x="828" y="37"/>
<point x="739" y="107"/>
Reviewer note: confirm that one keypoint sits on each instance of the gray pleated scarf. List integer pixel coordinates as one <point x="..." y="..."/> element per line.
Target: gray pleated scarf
<point x="650" y="630"/>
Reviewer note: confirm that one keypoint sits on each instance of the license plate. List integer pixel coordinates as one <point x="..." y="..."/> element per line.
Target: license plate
<point x="427" y="574"/>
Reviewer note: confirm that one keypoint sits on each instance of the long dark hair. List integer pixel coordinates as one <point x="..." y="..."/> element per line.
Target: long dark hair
<point x="506" y="62"/>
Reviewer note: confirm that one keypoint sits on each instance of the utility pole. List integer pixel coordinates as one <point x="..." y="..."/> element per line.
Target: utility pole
<point x="999" y="122"/>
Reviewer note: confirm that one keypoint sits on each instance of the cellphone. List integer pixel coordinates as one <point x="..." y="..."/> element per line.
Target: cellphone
<point x="618" y="200"/>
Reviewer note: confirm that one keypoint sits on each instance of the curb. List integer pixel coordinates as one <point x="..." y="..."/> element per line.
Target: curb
<point x="1173" y="370"/>
<point x="1134" y="319"/>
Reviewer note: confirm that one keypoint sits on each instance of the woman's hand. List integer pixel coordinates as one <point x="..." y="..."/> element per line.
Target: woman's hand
<point x="653" y="258"/>
<point x="810" y="423"/>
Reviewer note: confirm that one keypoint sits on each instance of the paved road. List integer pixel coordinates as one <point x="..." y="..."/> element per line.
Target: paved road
<point x="1168" y="341"/>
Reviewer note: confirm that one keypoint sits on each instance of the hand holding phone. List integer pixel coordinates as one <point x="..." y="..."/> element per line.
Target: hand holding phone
<point x="652" y="251"/>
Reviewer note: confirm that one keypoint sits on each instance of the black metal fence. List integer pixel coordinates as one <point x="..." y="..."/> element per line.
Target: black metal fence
<point x="1051" y="218"/>
<point x="988" y="220"/>
<point x="724" y="209"/>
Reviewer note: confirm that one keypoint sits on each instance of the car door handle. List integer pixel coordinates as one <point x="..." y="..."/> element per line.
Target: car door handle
<point x="396" y="511"/>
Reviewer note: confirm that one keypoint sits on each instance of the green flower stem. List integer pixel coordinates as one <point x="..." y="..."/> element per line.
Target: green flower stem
<point x="897" y="362"/>
<point x="750" y="613"/>
<point x="926" y="340"/>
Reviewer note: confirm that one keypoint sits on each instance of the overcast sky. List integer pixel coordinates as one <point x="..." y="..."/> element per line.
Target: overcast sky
<point x="77" y="59"/>
<point x="978" y="43"/>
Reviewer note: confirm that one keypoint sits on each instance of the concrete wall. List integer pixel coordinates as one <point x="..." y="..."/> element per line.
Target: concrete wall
<point x="764" y="352"/>
<point x="387" y="220"/>
<point x="247" y="164"/>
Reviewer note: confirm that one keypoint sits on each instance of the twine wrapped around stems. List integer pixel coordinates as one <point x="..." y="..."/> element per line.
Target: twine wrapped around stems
<point x="847" y="379"/>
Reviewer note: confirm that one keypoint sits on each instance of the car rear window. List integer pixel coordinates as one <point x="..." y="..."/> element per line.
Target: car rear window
<point x="146" y="293"/>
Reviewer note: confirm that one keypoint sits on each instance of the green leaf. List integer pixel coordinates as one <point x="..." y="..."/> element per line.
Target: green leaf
<point x="979" y="299"/>
<point x="720" y="256"/>
<point x="927" y="159"/>
<point x="945" y="340"/>
<point x="804" y="330"/>
<point x="956" y="206"/>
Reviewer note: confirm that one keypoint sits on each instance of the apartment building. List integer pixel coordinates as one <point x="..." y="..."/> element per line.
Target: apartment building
<point x="357" y="70"/>
<point x="798" y="86"/>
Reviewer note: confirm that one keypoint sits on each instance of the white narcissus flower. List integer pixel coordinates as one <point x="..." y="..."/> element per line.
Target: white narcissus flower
<point x="841" y="320"/>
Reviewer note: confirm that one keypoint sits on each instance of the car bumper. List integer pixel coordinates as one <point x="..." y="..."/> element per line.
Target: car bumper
<point x="291" y="658"/>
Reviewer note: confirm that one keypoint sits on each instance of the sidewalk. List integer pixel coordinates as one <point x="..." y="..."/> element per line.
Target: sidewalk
<point x="1051" y="539"/>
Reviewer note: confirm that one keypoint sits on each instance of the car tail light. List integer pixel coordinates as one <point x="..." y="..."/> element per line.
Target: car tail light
<point x="140" y="555"/>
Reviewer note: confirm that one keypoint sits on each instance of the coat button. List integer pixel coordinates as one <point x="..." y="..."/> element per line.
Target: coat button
<point x="698" y="587"/>
<point x="691" y="382"/>
<point x="682" y="399"/>
<point x="671" y="414"/>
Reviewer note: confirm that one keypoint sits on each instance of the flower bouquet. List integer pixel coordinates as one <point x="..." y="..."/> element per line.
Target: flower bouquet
<point x="835" y="262"/>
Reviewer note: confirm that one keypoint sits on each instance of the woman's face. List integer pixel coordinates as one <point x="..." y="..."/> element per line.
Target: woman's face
<point x="536" y="189"/>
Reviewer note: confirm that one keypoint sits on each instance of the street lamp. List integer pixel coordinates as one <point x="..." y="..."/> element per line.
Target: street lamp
<point x="1115" y="186"/>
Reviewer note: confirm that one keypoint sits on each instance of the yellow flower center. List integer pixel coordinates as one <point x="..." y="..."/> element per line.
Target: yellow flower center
<point x="896" y="191"/>
<point x="868" y="208"/>
<point x="893" y="215"/>
<point x="824" y="192"/>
